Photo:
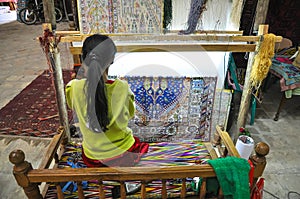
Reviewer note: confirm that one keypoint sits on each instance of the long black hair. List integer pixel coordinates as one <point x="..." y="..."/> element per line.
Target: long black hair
<point x="98" y="53"/>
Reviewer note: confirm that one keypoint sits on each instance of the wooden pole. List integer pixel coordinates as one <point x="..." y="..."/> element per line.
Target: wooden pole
<point x="74" y="14"/>
<point x="53" y="57"/>
<point x="261" y="13"/>
<point x="49" y="13"/>
<point x="246" y="95"/>
<point x="60" y="94"/>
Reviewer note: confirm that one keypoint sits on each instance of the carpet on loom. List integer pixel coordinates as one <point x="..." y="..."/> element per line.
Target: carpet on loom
<point x="171" y="109"/>
<point x="182" y="153"/>
<point x="23" y="115"/>
<point x="137" y="16"/>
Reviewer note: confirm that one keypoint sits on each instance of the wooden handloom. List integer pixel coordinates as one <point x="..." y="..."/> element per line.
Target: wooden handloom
<point x="29" y="178"/>
<point x="213" y="41"/>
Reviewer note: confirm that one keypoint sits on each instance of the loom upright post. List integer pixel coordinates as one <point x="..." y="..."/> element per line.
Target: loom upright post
<point x="60" y="94"/>
<point x="247" y="90"/>
<point x="53" y="57"/>
<point x="49" y="13"/>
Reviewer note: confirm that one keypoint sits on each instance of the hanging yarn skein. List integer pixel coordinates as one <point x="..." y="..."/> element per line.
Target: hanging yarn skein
<point x="262" y="60"/>
<point x="197" y="7"/>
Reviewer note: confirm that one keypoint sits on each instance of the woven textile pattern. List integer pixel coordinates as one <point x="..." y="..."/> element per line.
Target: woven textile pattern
<point x="137" y="16"/>
<point x="289" y="72"/>
<point x="172" y="108"/>
<point x="159" y="154"/>
<point x="95" y="16"/>
<point x="119" y="16"/>
<point x="221" y="109"/>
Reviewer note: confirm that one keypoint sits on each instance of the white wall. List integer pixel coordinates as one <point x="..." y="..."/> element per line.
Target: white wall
<point x="190" y="64"/>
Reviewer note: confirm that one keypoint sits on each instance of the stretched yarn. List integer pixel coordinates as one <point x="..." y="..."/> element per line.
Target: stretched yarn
<point x="262" y="60"/>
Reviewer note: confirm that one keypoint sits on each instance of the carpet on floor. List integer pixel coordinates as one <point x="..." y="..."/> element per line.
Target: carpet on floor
<point x="25" y="114"/>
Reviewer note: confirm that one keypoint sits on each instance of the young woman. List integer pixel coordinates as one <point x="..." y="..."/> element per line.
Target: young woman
<point x="103" y="108"/>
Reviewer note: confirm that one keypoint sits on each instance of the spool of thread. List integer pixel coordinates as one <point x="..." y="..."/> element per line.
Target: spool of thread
<point x="244" y="146"/>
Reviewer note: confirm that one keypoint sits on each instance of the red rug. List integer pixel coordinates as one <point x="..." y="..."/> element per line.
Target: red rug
<point x="27" y="113"/>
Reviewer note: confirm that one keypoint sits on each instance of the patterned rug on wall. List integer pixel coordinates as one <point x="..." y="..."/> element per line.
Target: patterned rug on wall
<point x="172" y="108"/>
<point x="33" y="112"/>
<point x="117" y="16"/>
<point x="160" y="154"/>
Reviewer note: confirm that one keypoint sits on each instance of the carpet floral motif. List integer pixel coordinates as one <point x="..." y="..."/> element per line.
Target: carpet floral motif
<point x="172" y="108"/>
<point x="117" y="16"/>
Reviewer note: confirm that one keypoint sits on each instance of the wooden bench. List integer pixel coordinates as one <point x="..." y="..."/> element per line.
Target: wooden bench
<point x="29" y="178"/>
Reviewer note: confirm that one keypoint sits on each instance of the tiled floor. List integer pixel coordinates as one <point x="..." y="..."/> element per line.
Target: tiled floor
<point x="22" y="60"/>
<point x="282" y="173"/>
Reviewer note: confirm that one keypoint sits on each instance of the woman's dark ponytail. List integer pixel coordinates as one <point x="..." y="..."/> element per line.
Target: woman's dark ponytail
<point x="97" y="109"/>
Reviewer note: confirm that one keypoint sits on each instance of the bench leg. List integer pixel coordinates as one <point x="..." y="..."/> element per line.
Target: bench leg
<point x="282" y="101"/>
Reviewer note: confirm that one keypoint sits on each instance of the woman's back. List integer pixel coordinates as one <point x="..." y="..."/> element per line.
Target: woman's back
<point x="104" y="108"/>
<point x="118" y="138"/>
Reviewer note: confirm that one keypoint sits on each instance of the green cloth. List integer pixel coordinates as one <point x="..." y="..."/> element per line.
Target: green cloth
<point x="233" y="176"/>
<point x="118" y="138"/>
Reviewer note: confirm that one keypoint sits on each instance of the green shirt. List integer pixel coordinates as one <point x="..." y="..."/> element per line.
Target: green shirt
<point x="118" y="138"/>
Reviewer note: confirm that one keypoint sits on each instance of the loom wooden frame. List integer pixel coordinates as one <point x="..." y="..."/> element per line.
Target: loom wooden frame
<point x="172" y="42"/>
<point x="29" y="178"/>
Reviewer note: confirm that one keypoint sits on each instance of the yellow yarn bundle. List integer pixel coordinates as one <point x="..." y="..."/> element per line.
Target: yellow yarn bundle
<point x="262" y="60"/>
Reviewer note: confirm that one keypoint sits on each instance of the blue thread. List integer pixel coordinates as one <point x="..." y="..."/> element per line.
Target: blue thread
<point x="69" y="184"/>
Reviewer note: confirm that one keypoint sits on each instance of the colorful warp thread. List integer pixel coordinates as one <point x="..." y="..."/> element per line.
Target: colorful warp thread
<point x="117" y="16"/>
<point x="172" y="108"/>
<point x="175" y="154"/>
<point x="160" y="154"/>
